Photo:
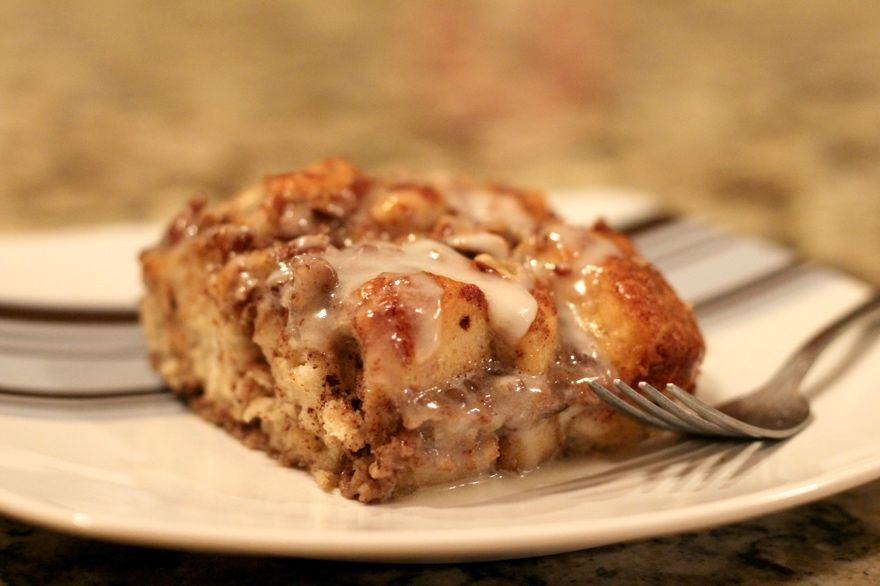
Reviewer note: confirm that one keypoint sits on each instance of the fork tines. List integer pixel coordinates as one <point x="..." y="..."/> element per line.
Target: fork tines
<point x="677" y="410"/>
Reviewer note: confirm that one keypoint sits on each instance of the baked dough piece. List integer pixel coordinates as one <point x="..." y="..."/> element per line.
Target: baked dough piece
<point x="389" y="333"/>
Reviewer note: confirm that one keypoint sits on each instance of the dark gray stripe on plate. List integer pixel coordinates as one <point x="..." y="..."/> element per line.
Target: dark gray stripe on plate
<point x="702" y="248"/>
<point x="84" y="394"/>
<point x="647" y="224"/>
<point x="753" y="287"/>
<point x="24" y="313"/>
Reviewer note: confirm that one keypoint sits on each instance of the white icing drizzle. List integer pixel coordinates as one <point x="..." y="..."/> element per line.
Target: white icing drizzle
<point x="499" y="399"/>
<point x="577" y="334"/>
<point x="588" y="252"/>
<point x="485" y="242"/>
<point x="512" y="399"/>
<point x="314" y="328"/>
<point x="423" y="296"/>
<point x="511" y="307"/>
<point x="495" y="210"/>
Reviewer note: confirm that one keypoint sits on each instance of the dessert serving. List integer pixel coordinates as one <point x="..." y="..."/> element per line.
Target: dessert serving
<point x="391" y="333"/>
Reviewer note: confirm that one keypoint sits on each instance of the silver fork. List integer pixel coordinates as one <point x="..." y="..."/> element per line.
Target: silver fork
<point x="775" y="410"/>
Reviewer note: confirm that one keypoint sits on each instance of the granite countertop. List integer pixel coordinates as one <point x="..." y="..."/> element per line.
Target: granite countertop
<point x="760" y="116"/>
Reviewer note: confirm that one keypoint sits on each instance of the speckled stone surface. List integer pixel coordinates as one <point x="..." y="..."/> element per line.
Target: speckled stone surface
<point x="763" y="116"/>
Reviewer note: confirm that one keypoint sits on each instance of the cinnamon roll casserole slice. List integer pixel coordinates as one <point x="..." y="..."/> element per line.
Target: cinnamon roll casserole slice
<point x="391" y="333"/>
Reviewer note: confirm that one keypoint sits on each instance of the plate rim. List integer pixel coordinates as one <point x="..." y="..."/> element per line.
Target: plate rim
<point x="447" y="545"/>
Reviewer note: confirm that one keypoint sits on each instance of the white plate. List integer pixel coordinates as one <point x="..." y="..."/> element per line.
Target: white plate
<point x="76" y="268"/>
<point x="144" y="470"/>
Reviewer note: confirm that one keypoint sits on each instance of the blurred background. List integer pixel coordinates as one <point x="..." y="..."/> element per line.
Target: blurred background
<point x="763" y="116"/>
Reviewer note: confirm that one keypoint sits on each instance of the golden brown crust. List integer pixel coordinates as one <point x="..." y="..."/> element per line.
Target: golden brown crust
<point x="642" y="325"/>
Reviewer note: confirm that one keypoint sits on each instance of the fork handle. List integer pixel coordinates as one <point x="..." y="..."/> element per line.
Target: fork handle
<point x="805" y="356"/>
